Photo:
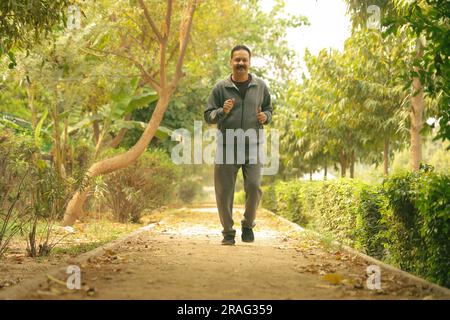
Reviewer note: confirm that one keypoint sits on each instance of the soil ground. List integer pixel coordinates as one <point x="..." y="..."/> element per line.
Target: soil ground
<point x="181" y="258"/>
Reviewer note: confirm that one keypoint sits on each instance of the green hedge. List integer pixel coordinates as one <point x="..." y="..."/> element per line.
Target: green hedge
<point x="404" y="221"/>
<point x="418" y="238"/>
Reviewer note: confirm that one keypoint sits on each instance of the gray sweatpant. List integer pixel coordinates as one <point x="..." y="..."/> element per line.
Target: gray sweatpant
<point x="225" y="175"/>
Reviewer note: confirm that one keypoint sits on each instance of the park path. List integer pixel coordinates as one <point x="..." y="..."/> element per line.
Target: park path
<point x="180" y="257"/>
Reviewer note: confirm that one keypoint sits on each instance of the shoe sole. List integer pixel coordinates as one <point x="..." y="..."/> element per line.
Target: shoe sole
<point x="228" y="243"/>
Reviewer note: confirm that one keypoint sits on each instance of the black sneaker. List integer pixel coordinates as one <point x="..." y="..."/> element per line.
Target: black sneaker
<point x="228" y="240"/>
<point x="247" y="235"/>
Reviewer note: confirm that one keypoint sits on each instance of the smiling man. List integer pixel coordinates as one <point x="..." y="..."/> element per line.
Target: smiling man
<point x="240" y="105"/>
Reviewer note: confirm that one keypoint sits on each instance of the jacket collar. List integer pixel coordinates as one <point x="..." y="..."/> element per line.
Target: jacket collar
<point x="230" y="84"/>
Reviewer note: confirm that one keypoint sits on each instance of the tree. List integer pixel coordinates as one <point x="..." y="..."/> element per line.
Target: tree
<point x="24" y="22"/>
<point x="428" y="21"/>
<point x="164" y="80"/>
<point x="426" y="24"/>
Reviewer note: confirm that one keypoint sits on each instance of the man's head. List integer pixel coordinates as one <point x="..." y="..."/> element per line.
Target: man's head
<point x="240" y="59"/>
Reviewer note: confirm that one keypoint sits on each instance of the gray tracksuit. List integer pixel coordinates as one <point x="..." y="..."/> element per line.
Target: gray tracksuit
<point x="242" y="116"/>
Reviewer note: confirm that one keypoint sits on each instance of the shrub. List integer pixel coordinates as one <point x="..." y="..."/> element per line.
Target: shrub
<point x="13" y="172"/>
<point x="147" y="184"/>
<point x="336" y="208"/>
<point x="404" y="221"/>
<point x="189" y="188"/>
<point x="418" y="238"/>
<point x="370" y="227"/>
<point x="32" y="195"/>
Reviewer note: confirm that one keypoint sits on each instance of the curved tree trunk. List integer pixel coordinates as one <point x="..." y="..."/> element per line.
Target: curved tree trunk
<point x="74" y="207"/>
<point x="164" y="89"/>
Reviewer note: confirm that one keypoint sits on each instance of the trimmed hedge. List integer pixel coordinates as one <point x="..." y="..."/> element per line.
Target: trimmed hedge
<point x="404" y="221"/>
<point x="419" y="224"/>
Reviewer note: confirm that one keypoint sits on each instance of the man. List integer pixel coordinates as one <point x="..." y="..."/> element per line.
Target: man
<point x="239" y="103"/>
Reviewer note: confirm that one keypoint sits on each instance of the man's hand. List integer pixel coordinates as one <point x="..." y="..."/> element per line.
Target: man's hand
<point x="261" y="116"/>
<point x="228" y="105"/>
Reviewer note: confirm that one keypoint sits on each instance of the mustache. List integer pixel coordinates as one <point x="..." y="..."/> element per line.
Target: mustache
<point x="240" y="67"/>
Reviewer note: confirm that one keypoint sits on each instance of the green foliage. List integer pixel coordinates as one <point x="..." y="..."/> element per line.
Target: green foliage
<point x="14" y="155"/>
<point x="293" y="200"/>
<point x="419" y="220"/>
<point x="31" y="193"/>
<point x="404" y="221"/>
<point x="370" y="228"/>
<point x="426" y="22"/>
<point x="189" y="188"/>
<point x="27" y="20"/>
<point x="429" y="22"/>
<point x="335" y="211"/>
<point x="49" y="194"/>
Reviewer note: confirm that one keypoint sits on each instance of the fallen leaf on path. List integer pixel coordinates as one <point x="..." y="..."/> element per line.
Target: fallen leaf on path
<point x="109" y="252"/>
<point x="334" y="278"/>
<point x="51" y="278"/>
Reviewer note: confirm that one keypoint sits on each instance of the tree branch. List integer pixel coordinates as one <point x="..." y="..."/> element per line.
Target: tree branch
<point x="150" y="20"/>
<point x="172" y="53"/>
<point x="168" y="17"/>
<point x="186" y="28"/>
<point x="144" y="72"/>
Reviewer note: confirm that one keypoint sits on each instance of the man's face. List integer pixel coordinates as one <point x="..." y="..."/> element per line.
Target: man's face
<point x="240" y="62"/>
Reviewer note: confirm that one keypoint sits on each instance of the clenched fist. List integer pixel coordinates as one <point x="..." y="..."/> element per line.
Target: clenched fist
<point x="228" y="105"/>
<point x="261" y="116"/>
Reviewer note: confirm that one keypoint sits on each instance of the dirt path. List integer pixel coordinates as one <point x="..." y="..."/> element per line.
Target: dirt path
<point x="181" y="258"/>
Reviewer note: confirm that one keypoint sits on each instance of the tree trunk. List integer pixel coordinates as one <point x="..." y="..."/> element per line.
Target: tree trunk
<point x="416" y="125"/>
<point x="325" y="170"/>
<point x="352" y="164"/>
<point x="386" y="156"/>
<point x="30" y="96"/>
<point x="74" y="207"/>
<point x="57" y="136"/>
<point x="118" y="138"/>
<point x="343" y="163"/>
<point x="96" y="128"/>
<point x="417" y="108"/>
<point x="65" y="160"/>
<point x="164" y="88"/>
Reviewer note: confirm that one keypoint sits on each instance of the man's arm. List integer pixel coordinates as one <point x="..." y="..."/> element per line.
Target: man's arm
<point x="214" y="110"/>
<point x="267" y="106"/>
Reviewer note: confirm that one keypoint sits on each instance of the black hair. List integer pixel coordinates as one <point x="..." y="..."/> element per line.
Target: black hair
<point x="241" y="47"/>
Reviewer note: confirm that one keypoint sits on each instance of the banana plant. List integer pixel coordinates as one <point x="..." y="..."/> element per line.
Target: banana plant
<point x="125" y="98"/>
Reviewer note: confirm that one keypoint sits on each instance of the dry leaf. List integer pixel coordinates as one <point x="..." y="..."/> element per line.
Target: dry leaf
<point x="333" y="278"/>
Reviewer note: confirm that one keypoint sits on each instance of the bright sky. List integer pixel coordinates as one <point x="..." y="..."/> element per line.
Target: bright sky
<point x="329" y="24"/>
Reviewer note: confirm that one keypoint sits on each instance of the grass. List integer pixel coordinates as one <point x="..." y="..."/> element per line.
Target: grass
<point x="78" y="249"/>
<point x="93" y="232"/>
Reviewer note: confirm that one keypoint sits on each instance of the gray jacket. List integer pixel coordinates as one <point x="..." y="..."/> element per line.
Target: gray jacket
<point x="243" y="113"/>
